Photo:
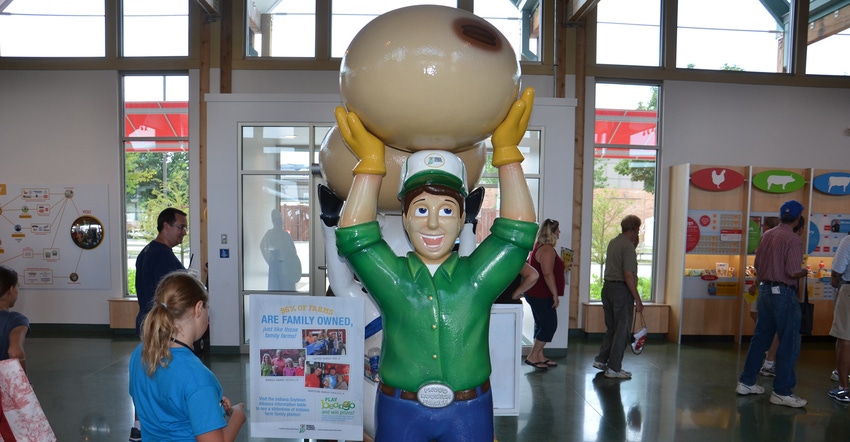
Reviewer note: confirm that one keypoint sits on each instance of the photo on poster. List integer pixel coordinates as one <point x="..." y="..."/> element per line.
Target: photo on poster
<point x="282" y="362"/>
<point x="324" y="342"/>
<point x="328" y="375"/>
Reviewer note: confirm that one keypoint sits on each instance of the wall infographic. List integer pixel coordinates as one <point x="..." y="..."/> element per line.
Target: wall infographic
<point x="55" y="236"/>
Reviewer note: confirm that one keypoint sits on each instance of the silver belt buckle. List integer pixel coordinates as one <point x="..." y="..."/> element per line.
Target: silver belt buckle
<point x="435" y="395"/>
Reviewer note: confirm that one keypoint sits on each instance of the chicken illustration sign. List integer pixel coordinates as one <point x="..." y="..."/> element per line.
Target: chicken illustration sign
<point x="717" y="179"/>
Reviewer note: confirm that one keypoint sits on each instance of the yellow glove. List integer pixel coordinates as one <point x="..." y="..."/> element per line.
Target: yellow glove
<point x="367" y="147"/>
<point x="510" y="132"/>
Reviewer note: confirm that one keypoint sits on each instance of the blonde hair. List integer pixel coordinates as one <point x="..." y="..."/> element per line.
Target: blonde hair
<point x="175" y="297"/>
<point x="546" y="232"/>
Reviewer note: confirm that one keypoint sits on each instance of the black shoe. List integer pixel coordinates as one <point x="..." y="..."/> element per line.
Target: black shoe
<point x="330" y="204"/>
<point x="473" y="206"/>
<point x="135" y="435"/>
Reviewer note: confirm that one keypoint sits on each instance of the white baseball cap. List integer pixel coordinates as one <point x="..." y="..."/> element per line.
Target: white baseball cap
<point x="432" y="167"/>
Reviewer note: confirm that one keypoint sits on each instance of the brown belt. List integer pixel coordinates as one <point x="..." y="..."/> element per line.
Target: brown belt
<point x="463" y="395"/>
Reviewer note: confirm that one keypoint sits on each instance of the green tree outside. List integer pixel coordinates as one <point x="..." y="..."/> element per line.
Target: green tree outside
<point x="153" y="182"/>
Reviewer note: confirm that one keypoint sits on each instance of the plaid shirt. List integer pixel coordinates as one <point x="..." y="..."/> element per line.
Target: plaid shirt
<point x="779" y="255"/>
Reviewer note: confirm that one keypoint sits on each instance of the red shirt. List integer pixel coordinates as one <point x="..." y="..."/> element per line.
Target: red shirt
<point x="312" y="381"/>
<point x="540" y="289"/>
<point x="779" y="255"/>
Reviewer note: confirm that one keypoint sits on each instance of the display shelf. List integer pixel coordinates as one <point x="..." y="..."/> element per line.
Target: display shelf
<point x="710" y="224"/>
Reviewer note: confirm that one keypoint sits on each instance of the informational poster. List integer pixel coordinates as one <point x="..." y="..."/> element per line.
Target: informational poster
<point x="825" y="232"/>
<point x="306" y="370"/>
<point x="717" y="232"/>
<point x="55" y="236"/>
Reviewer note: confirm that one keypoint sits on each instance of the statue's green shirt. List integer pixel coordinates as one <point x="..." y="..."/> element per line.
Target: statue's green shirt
<point x="436" y="328"/>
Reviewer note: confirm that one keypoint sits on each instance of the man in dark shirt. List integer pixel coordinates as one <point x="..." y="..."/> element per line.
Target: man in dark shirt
<point x="779" y="266"/>
<point x="157" y="259"/>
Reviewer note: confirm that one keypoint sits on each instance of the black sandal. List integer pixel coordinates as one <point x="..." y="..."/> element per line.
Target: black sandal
<point x="537" y="365"/>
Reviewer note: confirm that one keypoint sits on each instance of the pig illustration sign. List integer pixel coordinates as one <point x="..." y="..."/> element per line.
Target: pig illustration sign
<point x="778" y="181"/>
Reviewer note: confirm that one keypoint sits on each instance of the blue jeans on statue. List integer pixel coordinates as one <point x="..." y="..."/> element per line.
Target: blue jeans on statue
<point x="779" y="313"/>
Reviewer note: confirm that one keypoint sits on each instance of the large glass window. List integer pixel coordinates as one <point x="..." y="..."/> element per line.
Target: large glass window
<point x="629" y="32"/>
<point x="739" y="35"/>
<point x="521" y="27"/>
<point x="155" y="28"/>
<point x="281" y="29"/>
<point x="624" y="171"/>
<point x="287" y="28"/>
<point x="52" y="28"/>
<point x="828" y="39"/>
<point x="155" y="137"/>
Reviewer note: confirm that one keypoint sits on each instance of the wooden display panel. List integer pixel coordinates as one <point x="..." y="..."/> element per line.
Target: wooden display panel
<point x="122" y="313"/>
<point x="710" y="308"/>
<point x="676" y="224"/>
<point x="698" y="314"/>
<point x="822" y="319"/>
<point x="763" y="201"/>
<point x="710" y="317"/>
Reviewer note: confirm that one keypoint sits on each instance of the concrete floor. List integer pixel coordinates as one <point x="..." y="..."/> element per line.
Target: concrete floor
<point x="678" y="393"/>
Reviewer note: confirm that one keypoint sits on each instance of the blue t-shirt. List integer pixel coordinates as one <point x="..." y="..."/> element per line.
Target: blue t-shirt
<point x="154" y="262"/>
<point x="178" y="402"/>
<point x="10" y="320"/>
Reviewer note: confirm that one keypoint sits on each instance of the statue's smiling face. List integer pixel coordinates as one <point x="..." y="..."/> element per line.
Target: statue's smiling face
<point x="433" y="223"/>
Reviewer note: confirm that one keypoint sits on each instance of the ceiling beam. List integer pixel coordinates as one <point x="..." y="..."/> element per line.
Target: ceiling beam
<point x="579" y="8"/>
<point x="829" y="25"/>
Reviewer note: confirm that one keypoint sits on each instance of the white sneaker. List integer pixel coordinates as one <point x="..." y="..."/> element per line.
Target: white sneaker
<point x="792" y="400"/>
<point x="603" y="366"/>
<point x="622" y="374"/>
<point x="749" y="389"/>
<point x="768" y="371"/>
<point x="834" y="376"/>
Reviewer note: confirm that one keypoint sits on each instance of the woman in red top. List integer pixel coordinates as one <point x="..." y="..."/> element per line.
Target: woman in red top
<point x="543" y="297"/>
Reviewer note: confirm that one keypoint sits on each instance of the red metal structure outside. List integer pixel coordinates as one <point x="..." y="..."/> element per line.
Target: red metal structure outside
<point x="161" y="126"/>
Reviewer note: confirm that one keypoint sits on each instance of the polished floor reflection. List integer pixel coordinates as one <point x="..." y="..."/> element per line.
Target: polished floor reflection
<point x="678" y="393"/>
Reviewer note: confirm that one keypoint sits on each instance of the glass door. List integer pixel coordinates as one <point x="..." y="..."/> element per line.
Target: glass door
<point x="277" y="195"/>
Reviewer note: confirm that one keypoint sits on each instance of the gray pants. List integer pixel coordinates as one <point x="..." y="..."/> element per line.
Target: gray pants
<point x="618" y="305"/>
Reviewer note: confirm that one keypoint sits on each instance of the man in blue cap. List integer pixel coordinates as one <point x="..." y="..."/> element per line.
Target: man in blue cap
<point x="779" y="266"/>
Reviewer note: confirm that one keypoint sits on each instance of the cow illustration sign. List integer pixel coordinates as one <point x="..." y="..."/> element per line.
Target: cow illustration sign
<point x="834" y="183"/>
<point x="778" y="181"/>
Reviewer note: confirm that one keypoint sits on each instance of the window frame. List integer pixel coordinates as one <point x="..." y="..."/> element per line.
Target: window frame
<point x="655" y="271"/>
<point x="125" y="138"/>
<point x="113" y="58"/>
<point x="323" y="60"/>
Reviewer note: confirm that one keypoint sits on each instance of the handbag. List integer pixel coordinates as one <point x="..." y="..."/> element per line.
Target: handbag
<point x="21" y="416"/>
<point x="807" y="310"/>
<point x="639" y="340"/>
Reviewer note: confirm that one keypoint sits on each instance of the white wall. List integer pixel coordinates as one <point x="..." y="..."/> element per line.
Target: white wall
<point x="61" y="128"/>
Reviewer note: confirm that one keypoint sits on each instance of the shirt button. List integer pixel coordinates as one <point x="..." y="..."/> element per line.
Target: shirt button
<point x="430" y="298"/>
<point x="435" y="356"/>
<point x="434" y="327"/>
